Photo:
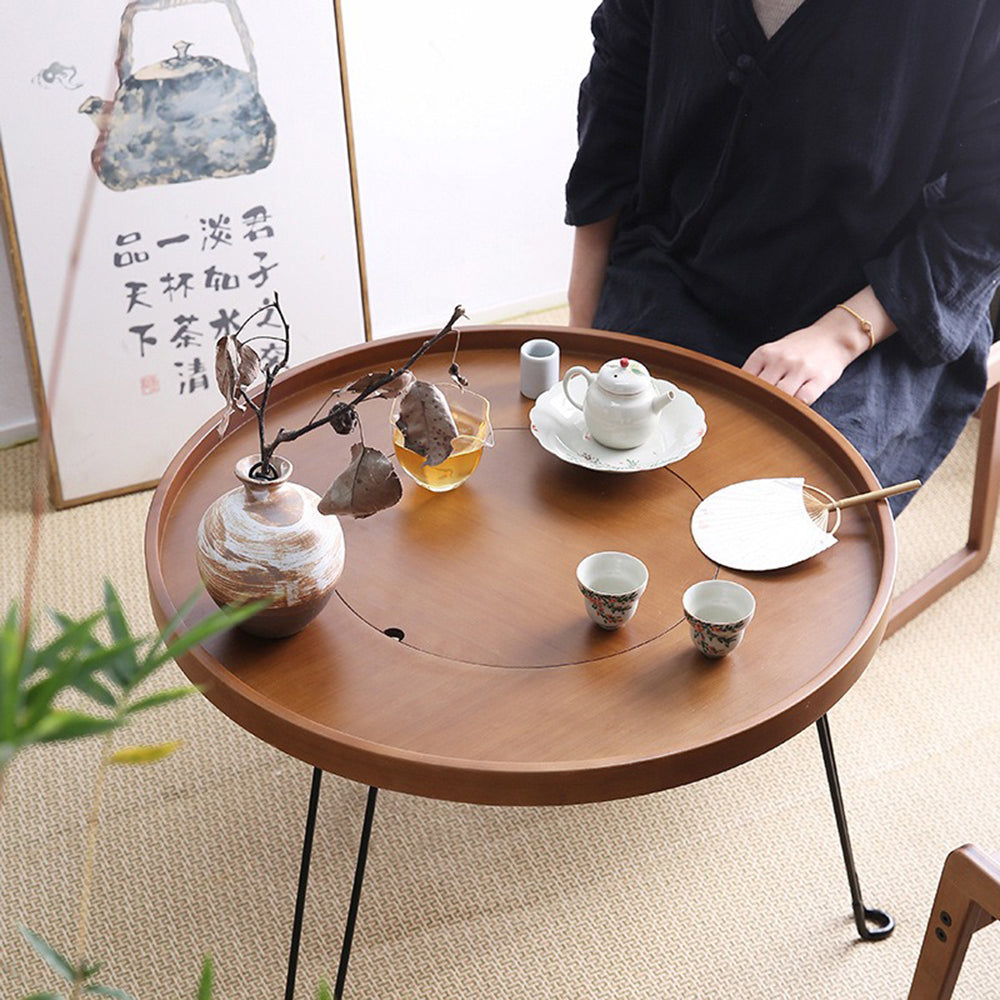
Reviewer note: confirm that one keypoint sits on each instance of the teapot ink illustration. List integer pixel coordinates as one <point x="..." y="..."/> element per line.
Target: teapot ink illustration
<point x="186" y="118"/>
<point x="621" y="406"/>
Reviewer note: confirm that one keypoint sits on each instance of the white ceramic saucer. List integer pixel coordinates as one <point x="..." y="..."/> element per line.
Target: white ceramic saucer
<point x="558" y="425"/>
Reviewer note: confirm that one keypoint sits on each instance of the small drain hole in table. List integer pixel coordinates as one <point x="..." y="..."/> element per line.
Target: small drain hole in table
<point x="395" y="633"/>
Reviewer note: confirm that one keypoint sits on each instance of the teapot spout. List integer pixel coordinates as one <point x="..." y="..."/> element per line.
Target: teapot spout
<point x="98" y="109"/>
<point x="660" y="401"/>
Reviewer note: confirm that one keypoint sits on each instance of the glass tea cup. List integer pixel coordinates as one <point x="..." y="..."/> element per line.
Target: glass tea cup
<point x="471" y="413"/>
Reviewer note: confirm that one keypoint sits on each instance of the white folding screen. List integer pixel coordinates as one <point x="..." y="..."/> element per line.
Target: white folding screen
<point x="196" y="152"/>
<point x="464" y="130"/>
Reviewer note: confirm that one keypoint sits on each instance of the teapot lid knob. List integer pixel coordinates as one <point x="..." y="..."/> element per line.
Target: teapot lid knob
<point x="623" y="377"/>
<point x="181" y="48"/>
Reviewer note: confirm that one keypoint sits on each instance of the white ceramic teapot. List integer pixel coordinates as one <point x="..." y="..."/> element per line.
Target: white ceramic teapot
<point x="620" y="407"/>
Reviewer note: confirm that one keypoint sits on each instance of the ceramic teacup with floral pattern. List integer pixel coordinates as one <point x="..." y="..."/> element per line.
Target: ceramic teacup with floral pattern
<point x="611" y="584"/>
<point x="718" y="612"/>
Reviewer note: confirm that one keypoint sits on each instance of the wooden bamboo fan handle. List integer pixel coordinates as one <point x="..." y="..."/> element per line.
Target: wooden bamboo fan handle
<point x="888" y="491"/>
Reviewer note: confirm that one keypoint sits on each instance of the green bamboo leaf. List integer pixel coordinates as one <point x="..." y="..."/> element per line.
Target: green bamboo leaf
<point x="13" y="616"/>
<point x="11" y="643"/>
<point x="56" y="962"/>
<point x="146" y="754"/>
<point x="133" y="673"/>
<point x="117" y="660"/>
<point x="123" y="669"/>
<point x="75" y="636"/>
<point x="45" y="996"/>
<point x="324" y="992"/>
<point x="106" y="659"/>
<point x="205" y="983"/>
<point x="215" y="622"/>
<point x="59" y="724"/>
<point x="160" y="698"/>
<point x="96" y="691"/>
<point x="97" y="990"/>
<point x="25" y="652"/>
<point x="40" y="696"/>
<point x="11" y="673"/>
<point x="114" y="613"/>
<point x="63" y="660"/>
<point x="218" y="621"/>
<point x="174" y="624"/>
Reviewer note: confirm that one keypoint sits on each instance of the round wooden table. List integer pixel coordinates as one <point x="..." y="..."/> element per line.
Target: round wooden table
<point x="456" y="660"/>
<point x="501" y="690"/>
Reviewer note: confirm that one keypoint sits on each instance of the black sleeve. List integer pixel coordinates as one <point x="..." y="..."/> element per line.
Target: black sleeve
<point x="936" y="282"/>
<point x="610" y="112"/>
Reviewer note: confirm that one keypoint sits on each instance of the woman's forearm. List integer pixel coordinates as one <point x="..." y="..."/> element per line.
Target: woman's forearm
<point x="591" y="246"/>
<point x="806" y="362"/>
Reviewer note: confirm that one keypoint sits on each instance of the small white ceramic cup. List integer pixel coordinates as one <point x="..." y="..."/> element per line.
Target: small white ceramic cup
<point x="539" y="367"/>
<point x="611" y="584"/>
<point x="718" y="612"/>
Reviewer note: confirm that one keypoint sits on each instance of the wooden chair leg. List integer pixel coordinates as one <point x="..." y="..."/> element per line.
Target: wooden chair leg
<point x="968" y="899"/>
<point x="985" y="490"/>
<point x="986" y="484"/>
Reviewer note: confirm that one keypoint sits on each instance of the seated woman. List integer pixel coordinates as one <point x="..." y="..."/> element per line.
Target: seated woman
<point x="808" y="189"/>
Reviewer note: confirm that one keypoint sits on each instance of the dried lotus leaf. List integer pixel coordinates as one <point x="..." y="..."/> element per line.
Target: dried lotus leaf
<point x="236" y="367"/>
<point x="227" y="361"/>
<point x="426" y="423"/>
<point x="249" y="370"/>
<point x="369" y="484"/>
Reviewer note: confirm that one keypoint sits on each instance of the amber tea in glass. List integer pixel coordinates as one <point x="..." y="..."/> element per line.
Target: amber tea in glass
<point x="471" y="413"/>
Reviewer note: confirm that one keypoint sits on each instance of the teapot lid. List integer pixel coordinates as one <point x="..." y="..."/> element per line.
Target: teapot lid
<point x="623" y="377"/>
<point x="179" y="65"/>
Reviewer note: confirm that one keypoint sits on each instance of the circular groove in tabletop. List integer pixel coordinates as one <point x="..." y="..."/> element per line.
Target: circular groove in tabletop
<point x="485" y="574"/>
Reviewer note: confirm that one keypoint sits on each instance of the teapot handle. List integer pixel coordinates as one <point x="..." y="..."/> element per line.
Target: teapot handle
<point x="123" y="62"/>
<point x="576" y="370"/>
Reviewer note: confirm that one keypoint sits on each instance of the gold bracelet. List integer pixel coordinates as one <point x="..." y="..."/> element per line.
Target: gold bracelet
<point x="866" y="327"/>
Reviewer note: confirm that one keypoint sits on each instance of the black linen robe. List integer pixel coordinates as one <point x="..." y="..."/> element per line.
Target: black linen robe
<point x="763" y="181"/>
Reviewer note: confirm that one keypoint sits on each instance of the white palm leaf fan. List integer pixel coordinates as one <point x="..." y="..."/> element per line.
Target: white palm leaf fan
<point x="764" y="524"/>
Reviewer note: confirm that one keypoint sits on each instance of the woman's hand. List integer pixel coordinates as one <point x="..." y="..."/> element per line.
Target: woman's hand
<point x="806" y="362"/>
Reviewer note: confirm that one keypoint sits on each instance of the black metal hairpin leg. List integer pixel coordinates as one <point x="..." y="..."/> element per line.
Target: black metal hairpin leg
<point x="300" y="899"/>
<point x="884" y="924"/>
<point x="359" y="877"/>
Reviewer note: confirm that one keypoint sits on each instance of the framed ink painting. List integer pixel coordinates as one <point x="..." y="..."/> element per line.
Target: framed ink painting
<point x="168" y="166"/>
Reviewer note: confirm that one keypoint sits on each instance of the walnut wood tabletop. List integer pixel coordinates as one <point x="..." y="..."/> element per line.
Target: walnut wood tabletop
<point x="456" y="660"/>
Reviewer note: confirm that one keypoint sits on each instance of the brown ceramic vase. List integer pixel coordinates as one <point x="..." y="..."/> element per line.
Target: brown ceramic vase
<point x="266" y="540"/>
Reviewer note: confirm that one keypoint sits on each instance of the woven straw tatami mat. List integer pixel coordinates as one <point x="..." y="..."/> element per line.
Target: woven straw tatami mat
<point x="730" y="888"/>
